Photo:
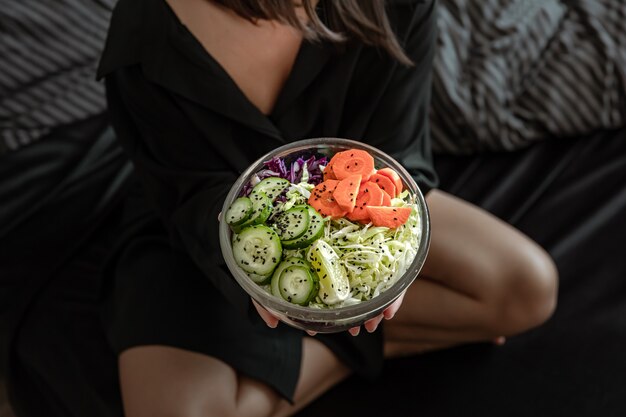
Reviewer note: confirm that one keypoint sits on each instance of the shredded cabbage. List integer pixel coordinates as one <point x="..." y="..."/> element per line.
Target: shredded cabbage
<point x="375" y="257"/>
<point x="296" y="194"/>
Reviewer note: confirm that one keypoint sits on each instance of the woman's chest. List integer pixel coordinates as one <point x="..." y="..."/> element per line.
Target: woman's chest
<point x="258" y="57"/>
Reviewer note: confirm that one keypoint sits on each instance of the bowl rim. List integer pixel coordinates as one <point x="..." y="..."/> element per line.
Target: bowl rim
<point x="331" y="314"/>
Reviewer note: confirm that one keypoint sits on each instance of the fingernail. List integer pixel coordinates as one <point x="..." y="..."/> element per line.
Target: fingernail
<point x="500" y="340"/>
<point x="355" y="331"/>
<point x="311" y="333"/>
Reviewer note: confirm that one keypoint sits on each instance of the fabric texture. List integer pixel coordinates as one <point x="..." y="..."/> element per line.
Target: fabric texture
<point x="512" y="72"/>
<point x="190" y="132"/>
<point x="49" y="52"/>
<point x="61" y="363"/>
<point x="57" y="196"/>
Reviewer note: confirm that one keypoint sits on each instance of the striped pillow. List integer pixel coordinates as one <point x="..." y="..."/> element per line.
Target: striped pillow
<point x="512" y="72"/>
<point x="48" y="54"/>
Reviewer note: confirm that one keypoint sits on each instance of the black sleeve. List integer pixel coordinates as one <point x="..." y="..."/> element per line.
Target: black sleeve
<point x="399" y="122"/>
<point x="184" y="177"/>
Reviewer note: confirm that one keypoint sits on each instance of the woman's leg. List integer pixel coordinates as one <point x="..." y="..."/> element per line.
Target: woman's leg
<point x="160" y="381"/>
<point x="482" y="279"/>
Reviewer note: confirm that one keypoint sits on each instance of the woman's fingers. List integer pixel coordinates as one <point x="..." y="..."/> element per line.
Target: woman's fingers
<point x="372" y="324"/>
<point x="268" y="318"/>
<point x="393" y="308"/>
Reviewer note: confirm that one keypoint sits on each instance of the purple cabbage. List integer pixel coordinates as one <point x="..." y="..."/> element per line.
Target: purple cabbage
<point x="315" y="172"/>
<point x="276" y="167"/>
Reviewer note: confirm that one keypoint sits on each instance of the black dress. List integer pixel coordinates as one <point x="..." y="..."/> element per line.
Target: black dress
<point x="190" y="131"/>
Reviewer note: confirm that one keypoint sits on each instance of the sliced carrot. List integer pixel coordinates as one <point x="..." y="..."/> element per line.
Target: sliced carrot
<point x="370" y="194"/>
<point x="328" y="171"/>
<point x="386" y="199"/>
<point x="393" y="176"/>
<point x="322" y="200"/>
<point x="384" y="183"/>
<point x="390" y="217"/>
<point x="353" y="161"/>
<point x="346" y="192"/>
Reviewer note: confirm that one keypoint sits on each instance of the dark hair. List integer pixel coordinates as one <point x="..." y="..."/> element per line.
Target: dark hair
<point x="364" y="20"/>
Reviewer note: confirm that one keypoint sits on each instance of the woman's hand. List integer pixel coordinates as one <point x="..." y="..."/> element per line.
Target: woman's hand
<point x="371" y="325"/>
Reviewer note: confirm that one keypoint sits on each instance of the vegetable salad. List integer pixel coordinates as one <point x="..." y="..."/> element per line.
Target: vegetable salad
<point x="325" y="233"/>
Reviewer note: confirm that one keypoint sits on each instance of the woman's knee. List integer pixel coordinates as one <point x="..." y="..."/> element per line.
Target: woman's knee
<point x="476" y="254"/>
<point x="528" y="296"/>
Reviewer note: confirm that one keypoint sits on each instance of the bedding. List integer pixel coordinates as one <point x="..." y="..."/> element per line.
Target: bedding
<point x="509" y="73"/>
<point x="49" y="51"/>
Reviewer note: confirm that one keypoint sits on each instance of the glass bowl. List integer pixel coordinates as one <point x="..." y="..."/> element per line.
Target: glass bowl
<point x="337" y="319"/>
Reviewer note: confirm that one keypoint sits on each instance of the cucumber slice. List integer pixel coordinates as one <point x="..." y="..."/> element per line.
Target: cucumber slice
<point x="272" y="186"/>
<point x="333" y="280"/>
<point x="261" y="210"/>
<point x="260" y="279"/>
<point x="292" y="223"/>
<point x="286" y="263"/>
<point x="239" y="211"/>
<point x="297" y="284"/>
<point x="257" y="250"/>
<point x="314" y="232"/>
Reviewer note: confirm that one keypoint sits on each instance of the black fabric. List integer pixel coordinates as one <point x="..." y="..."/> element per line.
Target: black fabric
<point x="61" y="363"/>
<point x="190" y="132"/>
<point x="56" y="195"/>
<point x="570" y="196"/>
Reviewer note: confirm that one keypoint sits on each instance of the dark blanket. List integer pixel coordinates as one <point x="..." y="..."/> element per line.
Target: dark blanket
<point x="570" y="196"/>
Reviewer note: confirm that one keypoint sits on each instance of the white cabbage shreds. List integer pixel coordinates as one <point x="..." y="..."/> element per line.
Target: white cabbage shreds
<point x="374" y="257"/>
